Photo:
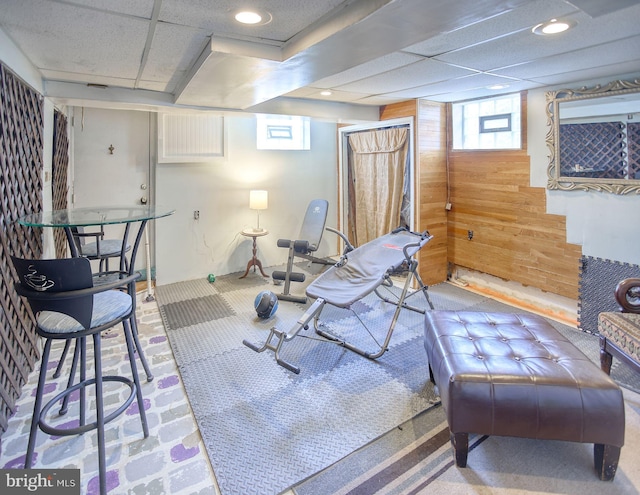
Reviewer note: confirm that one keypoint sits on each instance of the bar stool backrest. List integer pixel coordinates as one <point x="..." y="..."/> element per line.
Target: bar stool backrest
<point x="44" y="282"/>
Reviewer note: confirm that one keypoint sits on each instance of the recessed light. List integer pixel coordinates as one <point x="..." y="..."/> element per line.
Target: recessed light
<point x="326" y="92"/>
<point x="246" y="17"/>
<point x="253" y="17"/>
<point x="498" y="86"/>
<point x="554" y="26"/>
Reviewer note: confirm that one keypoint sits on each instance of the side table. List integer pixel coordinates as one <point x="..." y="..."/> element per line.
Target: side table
<point x="254" y="261"/>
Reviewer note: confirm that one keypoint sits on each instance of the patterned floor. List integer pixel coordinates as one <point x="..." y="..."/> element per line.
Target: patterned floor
<point x="171" y="460"/>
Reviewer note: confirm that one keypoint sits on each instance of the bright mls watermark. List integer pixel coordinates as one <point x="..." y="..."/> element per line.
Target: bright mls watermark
<point x="49" y="481"/>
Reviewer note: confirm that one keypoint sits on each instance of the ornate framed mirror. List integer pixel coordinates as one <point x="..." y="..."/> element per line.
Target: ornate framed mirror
<point x="594" y="138"/>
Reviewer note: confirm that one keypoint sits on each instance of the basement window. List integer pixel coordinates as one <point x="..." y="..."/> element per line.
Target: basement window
<point x="283" y="132"/>
<point x="487" y="124"/>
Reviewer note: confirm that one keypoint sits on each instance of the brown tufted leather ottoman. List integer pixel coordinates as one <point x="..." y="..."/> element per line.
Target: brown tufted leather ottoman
<point x="516" y="375"/>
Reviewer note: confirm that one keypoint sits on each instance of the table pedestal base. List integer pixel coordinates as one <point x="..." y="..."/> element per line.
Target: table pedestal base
<point x="254" y="261"/>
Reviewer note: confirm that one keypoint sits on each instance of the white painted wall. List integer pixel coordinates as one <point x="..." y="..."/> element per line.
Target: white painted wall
<point x="605" y="225"/>
<point x="188" y="248"/>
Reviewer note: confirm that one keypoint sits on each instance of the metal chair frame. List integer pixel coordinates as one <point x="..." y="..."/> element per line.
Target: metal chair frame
<point x="65" y="286"/>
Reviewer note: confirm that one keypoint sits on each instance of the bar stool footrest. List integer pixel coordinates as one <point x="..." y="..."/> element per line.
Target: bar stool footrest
<point x="51" y="430"/>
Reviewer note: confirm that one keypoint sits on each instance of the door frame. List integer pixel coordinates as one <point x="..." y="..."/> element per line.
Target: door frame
<point x="343" y="134"/>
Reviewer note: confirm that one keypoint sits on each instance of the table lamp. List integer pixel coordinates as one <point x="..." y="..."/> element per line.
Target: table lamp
<point x="258" y="200"/>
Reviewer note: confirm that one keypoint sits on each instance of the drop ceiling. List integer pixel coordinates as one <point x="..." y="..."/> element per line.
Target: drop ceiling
<point x="192" y="53"/>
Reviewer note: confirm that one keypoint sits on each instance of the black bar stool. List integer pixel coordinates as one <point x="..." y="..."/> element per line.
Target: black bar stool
<point x="68" y="307"/>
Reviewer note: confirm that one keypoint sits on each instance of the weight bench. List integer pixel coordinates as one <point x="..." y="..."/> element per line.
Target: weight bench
<point x="358" y="273"/>
<point x="304" y="246"/>
<point x="515" y="375"/>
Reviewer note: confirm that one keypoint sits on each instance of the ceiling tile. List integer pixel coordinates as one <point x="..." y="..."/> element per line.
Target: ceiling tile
<point x="471" y="82"/>
<point x="616" y="52"/>
<point x="140" y="8"/>
<point x="315" y="93"/>
<point x="173" y="51"/>
<point x="59" y="37"/>
<point x="522" y="18"/>
<point x="627" y="71"/>
<point x="596" y="8"/>
<point x="215" y="16"/>
<point x="383" y="64"/>
<point x="452" y="96"/>
<point x="524" y="46"/>
<point x="414" y="75"/>
<point x="368" y="52"/>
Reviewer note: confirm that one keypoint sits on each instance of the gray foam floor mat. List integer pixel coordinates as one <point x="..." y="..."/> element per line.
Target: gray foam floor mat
<point x="598" y="280"/>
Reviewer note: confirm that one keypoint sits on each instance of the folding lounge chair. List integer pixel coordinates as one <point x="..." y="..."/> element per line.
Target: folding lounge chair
<point x="304" y="246"/>
<point x="358" y="273"/>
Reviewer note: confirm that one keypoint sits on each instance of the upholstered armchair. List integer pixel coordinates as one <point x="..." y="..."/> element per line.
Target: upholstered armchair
<point x="620" y="331"/>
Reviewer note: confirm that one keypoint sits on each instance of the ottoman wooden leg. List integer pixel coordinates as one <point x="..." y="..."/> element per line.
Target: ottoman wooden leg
<point x="606" y="460"/>
<point x="460" y="443"/>
<point x="606" y="358"/>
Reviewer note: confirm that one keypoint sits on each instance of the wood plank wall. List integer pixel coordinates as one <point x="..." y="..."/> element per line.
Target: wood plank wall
<point x="431" y="180"/>
<point x="513" y="236"/>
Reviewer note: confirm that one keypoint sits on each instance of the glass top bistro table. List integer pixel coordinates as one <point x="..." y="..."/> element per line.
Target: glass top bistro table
<point x="99" y="216"/>
<point x="94" y="216"/>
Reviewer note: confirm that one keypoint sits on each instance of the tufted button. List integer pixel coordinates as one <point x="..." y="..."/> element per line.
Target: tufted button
<point x="480" y="357"/>
<point x="504" y="339"/>
<point x="517" y="358"/>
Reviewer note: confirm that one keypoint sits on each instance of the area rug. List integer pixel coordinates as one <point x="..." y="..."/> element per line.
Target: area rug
<point x="267" y="429"/>
<point x="417" y="458"/>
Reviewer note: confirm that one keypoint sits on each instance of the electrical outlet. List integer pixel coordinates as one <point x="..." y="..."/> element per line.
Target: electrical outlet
<point x="447" y="206"/>
<point x="196" y="214"/>
<point x="470" y="234"/>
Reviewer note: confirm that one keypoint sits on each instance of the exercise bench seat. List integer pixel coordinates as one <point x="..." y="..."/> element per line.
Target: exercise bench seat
<point x="304" y="246"/>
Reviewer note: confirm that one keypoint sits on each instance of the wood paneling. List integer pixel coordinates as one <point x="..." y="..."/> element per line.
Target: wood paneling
<point x="407" y="108"/>
<point x="430" y="181"/>
<point x="513" y="236"/>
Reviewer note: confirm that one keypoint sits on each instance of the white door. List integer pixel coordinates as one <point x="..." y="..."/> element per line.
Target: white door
<point x="110" y="163"/>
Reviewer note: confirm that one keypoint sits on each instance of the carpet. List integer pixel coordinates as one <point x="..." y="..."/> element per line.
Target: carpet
<point x="417" y="458"/>
<point x="266" y="429"/>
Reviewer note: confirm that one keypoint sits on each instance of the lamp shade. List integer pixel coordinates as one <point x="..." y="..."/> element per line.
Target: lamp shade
<point x="258" y="200"/>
